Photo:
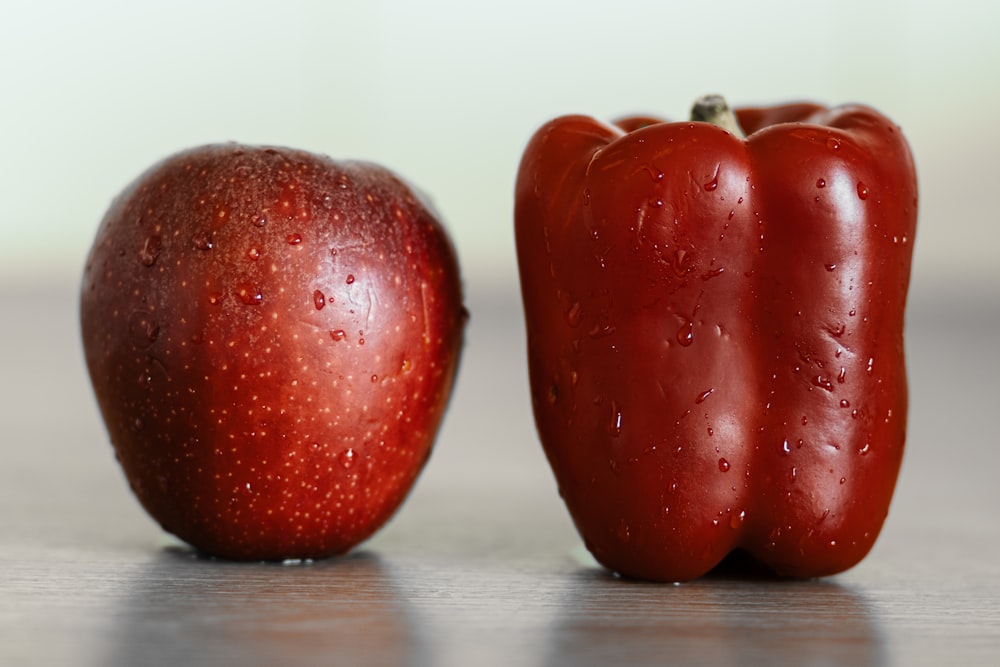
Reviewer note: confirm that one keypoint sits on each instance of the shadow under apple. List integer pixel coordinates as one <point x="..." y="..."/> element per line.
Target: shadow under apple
<point x="183" y="608"/>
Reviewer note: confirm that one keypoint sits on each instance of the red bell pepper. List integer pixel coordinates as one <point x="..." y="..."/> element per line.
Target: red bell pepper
<point x="715" y="332"/>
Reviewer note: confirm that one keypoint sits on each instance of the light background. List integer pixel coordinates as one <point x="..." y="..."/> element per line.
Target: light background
<point x="448" y="93"/>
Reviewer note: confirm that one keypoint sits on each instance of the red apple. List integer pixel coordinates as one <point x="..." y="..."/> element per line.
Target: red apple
<point x="272" y="338"/>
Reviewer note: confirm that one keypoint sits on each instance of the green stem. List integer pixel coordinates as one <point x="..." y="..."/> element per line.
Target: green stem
<point x="715" y="110"/>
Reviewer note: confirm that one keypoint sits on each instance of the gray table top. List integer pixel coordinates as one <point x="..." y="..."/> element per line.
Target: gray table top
<point x="482" y="565"/>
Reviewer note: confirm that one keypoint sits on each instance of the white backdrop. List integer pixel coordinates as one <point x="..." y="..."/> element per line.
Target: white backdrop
<point x="448" y="92"/>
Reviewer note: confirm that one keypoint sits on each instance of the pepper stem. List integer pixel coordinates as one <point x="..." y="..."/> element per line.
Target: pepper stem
<point x="715" y="110"/>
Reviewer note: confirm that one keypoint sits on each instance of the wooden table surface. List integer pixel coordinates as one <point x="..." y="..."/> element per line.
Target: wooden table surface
<point x="482" y="566"/>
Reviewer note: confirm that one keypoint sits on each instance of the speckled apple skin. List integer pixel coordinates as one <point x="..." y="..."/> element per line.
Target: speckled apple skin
<point x="272" y="338"/>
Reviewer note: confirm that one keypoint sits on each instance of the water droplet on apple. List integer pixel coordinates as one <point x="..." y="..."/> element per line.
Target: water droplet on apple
<point x="253" y="254"/>
<point x="143" y="330"/>
<point x="150" y="250"/>
<point x="833" y="144"/>
<point x="260" y="221"/>
<point x="202" y="241"/>
<point x="338" y="334"/>
<point x="820" y="182"/>
<point x="294" y="239"/>
<point x="249" y="295"/>
<point x="347" y="458"/>
<point x="723" y="465"/>
<point x="350" y="278"/>
<point x="624" y="531"/>
<point x="704" y="395"/>
<point x="862" y="191"/>
<point x="319" y="300"/>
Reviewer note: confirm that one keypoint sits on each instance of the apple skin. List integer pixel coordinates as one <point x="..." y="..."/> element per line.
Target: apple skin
<point x="272" y="338"/>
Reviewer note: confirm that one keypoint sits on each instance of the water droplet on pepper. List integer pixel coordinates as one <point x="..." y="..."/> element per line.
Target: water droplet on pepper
<point x="822" y="383"/>
<point x="573" y="314"/>
<point x="685" y="335"/>
<point x="714" y="183"/>
<point x="616" y="419"/>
